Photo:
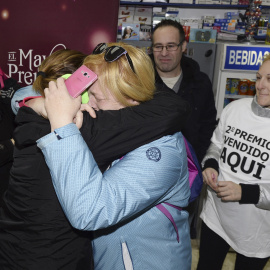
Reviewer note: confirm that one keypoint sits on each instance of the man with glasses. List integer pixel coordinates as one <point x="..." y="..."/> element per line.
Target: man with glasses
<point x="182" y="74"/>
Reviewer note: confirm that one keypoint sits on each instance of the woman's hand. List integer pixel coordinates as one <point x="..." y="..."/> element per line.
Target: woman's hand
<point x="210" y="178"/>
<point x="60" y="106"/>
<point x="229" y="191"/>
<point x="78" y="120"/>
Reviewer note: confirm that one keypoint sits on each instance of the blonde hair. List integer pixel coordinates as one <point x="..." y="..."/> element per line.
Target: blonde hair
<point x="118" y="77"/>
<point x="59" y="63"/>
<point x="266" y="58"/>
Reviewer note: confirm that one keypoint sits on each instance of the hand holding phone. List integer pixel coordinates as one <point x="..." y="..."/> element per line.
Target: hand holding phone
<point x="81" y="79"/>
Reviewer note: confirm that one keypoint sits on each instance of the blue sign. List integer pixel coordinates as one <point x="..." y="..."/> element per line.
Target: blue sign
<point x="245" y="57"/>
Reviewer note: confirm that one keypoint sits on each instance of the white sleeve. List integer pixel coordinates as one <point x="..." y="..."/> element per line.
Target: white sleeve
<point x="264" y="201"/>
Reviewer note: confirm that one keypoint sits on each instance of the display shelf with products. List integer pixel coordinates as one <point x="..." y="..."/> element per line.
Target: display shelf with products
<point x="238" y="15"/>
<point x="237" y="88"/>
<point x="189" y="18"/>
<point x="235" y="62"/>
<point x="237" y="96"/>
<point x="184" y="5"/>
<point x="221" y="19"/>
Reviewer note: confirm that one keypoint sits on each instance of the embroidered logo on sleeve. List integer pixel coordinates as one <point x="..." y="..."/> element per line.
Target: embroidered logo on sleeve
<point x="154" y="154"/>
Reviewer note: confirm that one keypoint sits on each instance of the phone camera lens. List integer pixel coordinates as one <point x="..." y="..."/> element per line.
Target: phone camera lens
<point x="85" y="74"/>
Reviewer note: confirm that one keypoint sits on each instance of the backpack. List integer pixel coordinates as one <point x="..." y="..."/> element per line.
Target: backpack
<point x="195" y="173"/>
<point x="195" y="183"/>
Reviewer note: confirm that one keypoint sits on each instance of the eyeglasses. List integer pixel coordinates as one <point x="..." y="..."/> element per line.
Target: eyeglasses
<point x="169" y="47"/>
<point x="113" y="53"/>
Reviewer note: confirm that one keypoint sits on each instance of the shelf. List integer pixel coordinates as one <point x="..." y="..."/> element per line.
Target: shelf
<point x="260" y="37"/>
<point x="194" y="6"/>
<point x="200" y="6"/>
<point x="237" y="96"/>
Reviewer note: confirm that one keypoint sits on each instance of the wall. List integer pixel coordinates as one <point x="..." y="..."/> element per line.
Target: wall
<point x="31" y="30"/>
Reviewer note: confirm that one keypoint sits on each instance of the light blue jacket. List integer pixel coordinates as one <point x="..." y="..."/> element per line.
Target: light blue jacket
<point x="20" y="94"/>
<point x="130" y="232"/>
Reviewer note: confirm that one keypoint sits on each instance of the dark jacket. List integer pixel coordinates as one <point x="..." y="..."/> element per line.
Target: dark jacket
<point x="7" y="125"/>
<point x="196" y="88"/>
<point x="34" y="232"/>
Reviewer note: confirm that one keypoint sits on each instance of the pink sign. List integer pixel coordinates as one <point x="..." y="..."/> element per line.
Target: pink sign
<point x="31" y="30"/>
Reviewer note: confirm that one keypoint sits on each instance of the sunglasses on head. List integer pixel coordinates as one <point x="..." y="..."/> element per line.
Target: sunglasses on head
<point x="112" y="53"/>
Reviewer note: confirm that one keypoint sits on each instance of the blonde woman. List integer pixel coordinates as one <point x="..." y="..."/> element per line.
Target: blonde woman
<point x="130" y="232"/>
<point x="237" y="170"/>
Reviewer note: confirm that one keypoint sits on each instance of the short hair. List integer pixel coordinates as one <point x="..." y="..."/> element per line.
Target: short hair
<point x="61" y="62"/>
<point x="119" y="78"/>
<point x="173" y="23"/>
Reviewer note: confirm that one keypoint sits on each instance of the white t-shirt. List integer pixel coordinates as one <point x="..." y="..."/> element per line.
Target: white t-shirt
<point x="244" y="140"/>
<point x="170" y="82"/>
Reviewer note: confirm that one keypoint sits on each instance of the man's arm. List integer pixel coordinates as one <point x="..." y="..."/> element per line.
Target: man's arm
<point x="208" y="117"/>
<point x="115" y="133"/>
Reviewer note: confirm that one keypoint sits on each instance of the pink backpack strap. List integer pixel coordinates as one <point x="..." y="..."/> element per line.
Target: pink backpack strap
<point x="3" y="76"/>
<point x="1" y="79"/>
<point x="166" y="212"/>
<point x="192" y="169"/>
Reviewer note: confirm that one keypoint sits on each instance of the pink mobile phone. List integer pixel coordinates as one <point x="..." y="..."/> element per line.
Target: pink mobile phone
<point x="81" y="79"/>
